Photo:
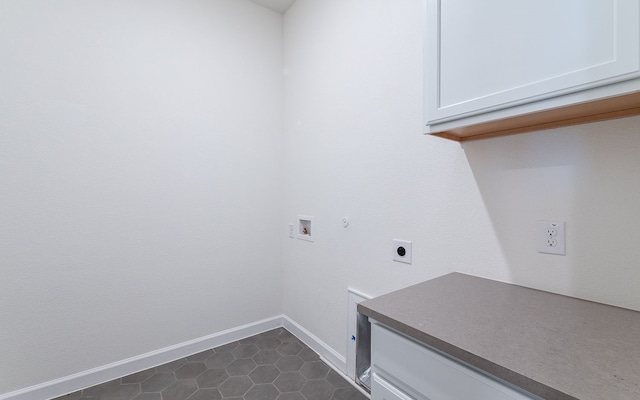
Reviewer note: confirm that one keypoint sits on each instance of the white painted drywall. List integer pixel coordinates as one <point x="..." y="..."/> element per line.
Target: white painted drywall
<point x="588" y="176"/>
<point x="139" y="178"/>
<point x="142" y="202"/>
<point x="353" y="147"/>
<point x="279" y="6"/>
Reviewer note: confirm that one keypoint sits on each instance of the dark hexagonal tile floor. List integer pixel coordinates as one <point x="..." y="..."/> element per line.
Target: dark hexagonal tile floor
<point x="273" y="365"/>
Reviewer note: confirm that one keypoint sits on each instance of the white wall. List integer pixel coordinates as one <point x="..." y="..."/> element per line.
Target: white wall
<point x="145" y="186"/>
<point x="353" y="147"/>
<point x="588" y="176"/>
<point x="139" y="174"/>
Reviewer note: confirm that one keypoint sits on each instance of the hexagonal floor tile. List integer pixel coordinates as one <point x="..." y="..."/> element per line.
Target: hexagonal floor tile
<point x="268" y="343"/>
<point x="266" y="357"/>
<point x="336" y="380"/>
<point x="274" y="365"/>
<point x="249" y="340"/>
<point x="241" y="367"/>
<point x="235" y="386"/>
<point x="157" y="382"/>
<point x="219" y="360"/>
<point x="291" y="396"/>
<point x="212" y="378"/>
<point x="139" y="376"/>
<point x="290" y="382"/>
<point x="206" y="394"/>
<point x="99" y="390"/>
<point x="314" y="370"/>
<point x="225" y="348"/>
<point x="180" y="390"/>
<point x="262" y="392"/>
<point x="148" y="396"/>
<point x="190" y="370"/>
<point x="203" y="355"/>
<point x="289" y="348"/>
<point x="245" y="351"/>
<point x="308" y="355"/>
<point x="289" y="363"/>
<point x="349" y="393"/>
<point x="264" y="374"/>
<point x="122" y="392"/>
<point x="287" y="336"/>
<point x="171" y="366"/>
<point x="318" y="389"/>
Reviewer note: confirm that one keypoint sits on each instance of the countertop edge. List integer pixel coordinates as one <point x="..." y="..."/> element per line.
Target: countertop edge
<point x="511" y="377"/>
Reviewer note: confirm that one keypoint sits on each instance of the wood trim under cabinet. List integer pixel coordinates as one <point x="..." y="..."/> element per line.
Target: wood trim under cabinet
<point x="600" y="110"/>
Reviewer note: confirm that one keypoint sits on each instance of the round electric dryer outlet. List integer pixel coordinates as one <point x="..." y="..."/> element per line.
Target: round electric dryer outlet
<point x="402" y="251"/>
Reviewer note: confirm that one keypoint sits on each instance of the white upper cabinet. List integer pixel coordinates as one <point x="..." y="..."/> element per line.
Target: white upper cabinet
<point x="494" y="59"/>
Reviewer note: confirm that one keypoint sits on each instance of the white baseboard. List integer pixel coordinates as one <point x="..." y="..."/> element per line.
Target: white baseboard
<point x="332" y="358"/>
<point x="105" y="373"/>
<point x="351" y="381"/>
<point x="329" y="355"/>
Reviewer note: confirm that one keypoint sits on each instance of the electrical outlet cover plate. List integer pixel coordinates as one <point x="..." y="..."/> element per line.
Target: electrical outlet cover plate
<point x="551" y="237"/>
<point x="399" y="255"/>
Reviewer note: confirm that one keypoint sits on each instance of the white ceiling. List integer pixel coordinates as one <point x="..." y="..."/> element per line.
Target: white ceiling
<point x="280" y="6"/>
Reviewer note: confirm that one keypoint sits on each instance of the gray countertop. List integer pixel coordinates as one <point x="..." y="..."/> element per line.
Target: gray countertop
<point x="553" y="346"/>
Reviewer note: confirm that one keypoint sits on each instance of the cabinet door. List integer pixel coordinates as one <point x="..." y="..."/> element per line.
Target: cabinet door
<point x="488" y="55"/>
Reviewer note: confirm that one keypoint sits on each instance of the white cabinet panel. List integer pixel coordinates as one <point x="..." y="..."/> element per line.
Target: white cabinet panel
<point x="383" y="390"/>
<point x="415" y="369"/>
<point x="489" y="55"/>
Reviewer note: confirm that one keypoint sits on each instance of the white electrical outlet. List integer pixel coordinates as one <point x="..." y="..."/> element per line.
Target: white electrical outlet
<point x="402" y="251"/>
<point x="551" y="237"/>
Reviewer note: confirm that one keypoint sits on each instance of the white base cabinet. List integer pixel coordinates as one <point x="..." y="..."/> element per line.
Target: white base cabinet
<point x="383" y="390"/>
<point x="405" y="370"/>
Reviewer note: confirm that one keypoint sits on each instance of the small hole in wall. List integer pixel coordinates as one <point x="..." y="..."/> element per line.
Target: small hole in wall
<point x="304" y="228"/>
